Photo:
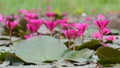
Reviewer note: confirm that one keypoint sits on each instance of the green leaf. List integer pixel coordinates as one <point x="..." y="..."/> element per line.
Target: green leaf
<point x="3" y="56"/>
<point x="93" y="44"/>
<point x="108" y="55"/>
<point x="79" y="56"/>
<point x="38" y="49"/>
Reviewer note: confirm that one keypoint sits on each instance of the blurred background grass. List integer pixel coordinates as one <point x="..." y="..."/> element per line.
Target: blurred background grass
<point x="69" y="6"/>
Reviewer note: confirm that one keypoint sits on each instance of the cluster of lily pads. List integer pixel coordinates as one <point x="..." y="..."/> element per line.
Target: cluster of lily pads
<point x="50" y="38"/>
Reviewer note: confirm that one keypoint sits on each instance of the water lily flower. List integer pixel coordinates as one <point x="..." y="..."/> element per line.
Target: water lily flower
<point x="50" y="14"/>
<point x="100" y="16"/>
<point x="71" y="34"/>
<point x="82" y="27"/>
<point x="101" y="24"/>
<point x="10" y="25"/>
<point x="105" y="31"/>
<point x="36" y="23"/>
<point x="29" y="16"/>
<point x="22" y="11"/>
<point x="50" y="25"/>
<point x="31" y="28"/>
<point x="110" y="38"/>
<point x="97" y="35"/>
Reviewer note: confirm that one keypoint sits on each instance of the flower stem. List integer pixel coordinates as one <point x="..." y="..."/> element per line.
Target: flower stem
<point x="10" y="34"/>
<point x="51" y="33"/>
<point x="74" y="48"/>
<point x="68" y="44"/>
<point x="82" y="38"/>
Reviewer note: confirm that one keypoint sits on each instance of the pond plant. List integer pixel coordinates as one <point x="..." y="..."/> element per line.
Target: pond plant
<point x="53" y="37"/>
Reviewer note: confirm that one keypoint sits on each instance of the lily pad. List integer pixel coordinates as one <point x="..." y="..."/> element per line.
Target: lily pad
<point x="38" y="49"/>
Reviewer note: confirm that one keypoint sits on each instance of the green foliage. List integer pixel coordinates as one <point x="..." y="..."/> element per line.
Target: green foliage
<point x="93" y="44"/>
<point x="79" y="56"/>
<point x="40" y="49"/>
<point x="3" y="56"/>
<point x="108" y="55"/>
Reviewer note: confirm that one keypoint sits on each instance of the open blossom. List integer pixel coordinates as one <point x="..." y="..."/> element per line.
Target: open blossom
<point x="105" y="31"/>
<point x="22" y="11"/>
<point x="101" y="24"/>
<point x="36" y="23"/>
<point x="50" y="25"/>
<point x="50" y="14"/>
<point x="31" y="28"/>
<point x="100" y="16"/>
<point x="71" y="34"/>
<point x="82" y="27"/>
<point x="30" y="16"/>
<point x="10" y="25"/>
<point x="110" y="38"/>
<point x="97" y="35"/>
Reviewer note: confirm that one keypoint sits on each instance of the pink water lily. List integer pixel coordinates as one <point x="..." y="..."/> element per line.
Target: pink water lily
<point x="50" y="14"/>
<point x="105" y="31"/>
<point x="10" y="25"/>
<point x="50" y="25"/>
<point x="82" y="27"/>
<point x="101" y="24"/>
<point x="110" y="38"/>
<point x="97" y="35"/>
<point x="100" y="16"/>
<point x="31" y="28"/>
<point x="22" y="11"/>
<point x="30" y="16"/>
<point x="71" y="34"/>
<point x="36" y="23"/>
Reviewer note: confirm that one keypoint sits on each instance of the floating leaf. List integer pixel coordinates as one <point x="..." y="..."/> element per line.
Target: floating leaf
<point x="108" y="55"/>
<point x="93" y="44"/>
<point x="79" y="56"/>
<point x="39" y="49"/>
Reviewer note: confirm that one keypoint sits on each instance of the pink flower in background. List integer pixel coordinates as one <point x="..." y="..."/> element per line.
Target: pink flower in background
<point x="1" y="18"/>
<point x="31" y="28"/>
<point x="30" y="16"/>
<point x="88" y="19"/>
<point x="22" y="11"/>
<point x="31" y="35"/>
<point x="82" y="27"/>
<point x="50" y="14"/>
<point x="105" y="31"/>
<point x="97" y="35"/>
<point x="71" y="34"/>
<point x="103" y="44"/>
<point x="101" y="24"/>
<point x="110" y="38"/>
<point x="100" y="16"/>
<point x="10" y="25"/>
<point x="36" y="23"/>
<point x="50" y="25"/>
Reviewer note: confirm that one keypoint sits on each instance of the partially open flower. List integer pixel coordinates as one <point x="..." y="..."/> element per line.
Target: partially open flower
<point x="10" y="25"/>
<point x="110" y="38"/>
<point x="97" y="35"/>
